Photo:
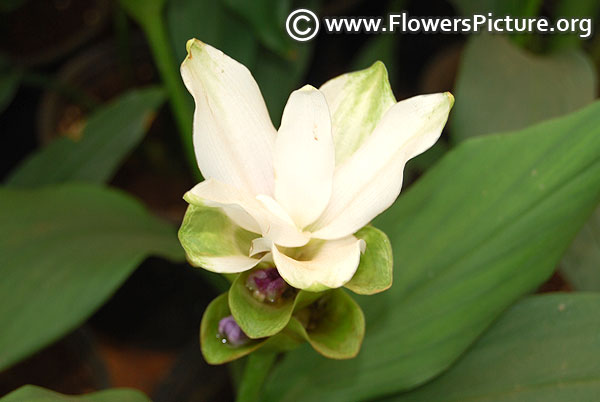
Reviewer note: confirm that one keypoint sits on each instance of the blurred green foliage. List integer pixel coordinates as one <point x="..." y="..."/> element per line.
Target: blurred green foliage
<point x="31" y="393"/>
<point x="539" y="350"/>
<point x="501" y="87"/>
<point x="107" y="139"/>
<point x="70" y="247"/>
<point x="581" y="263"/>
<point x="483" y="227"/>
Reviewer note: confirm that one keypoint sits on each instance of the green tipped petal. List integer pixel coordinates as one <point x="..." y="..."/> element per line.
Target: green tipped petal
<point x="375" y="271"/>
<point x="212" y="241"/>
<point x="357" y="102"/>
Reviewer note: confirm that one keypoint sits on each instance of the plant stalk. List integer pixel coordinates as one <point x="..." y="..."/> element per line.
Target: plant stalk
<point x="149" y="15"/>
<point x="255" y="373"/>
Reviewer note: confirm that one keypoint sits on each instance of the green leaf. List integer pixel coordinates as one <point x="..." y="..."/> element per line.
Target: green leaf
<point x="258" y="319"/>
<point x="581" y="263"/>
<point x="211" y="22"/>
<point x="212" y="346"/>
<point x="501" y="87"/>
<point x="32" y="393"/>
<point x="543" y="349"/>
<point x="267" y="19"/>
<point x="109" y="136"/>
<point x="375" y="271"/>
<point x="64" y="251"/>
<point x="484" y="226"/>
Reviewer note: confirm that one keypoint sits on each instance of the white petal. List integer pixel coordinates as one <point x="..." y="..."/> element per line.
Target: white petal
<point x="370" y="181"/>
<point x="304" y="156"/>
<point x="280" y="228"/>
<point x="260" y="245"/>
<point x="233" y="134"/>
<point x="235" y="203"/>
<point x="256" y="214"/>
<point x="329" y="265"/>
<point x="357" y="102"/>
<point x="230" y="264"/>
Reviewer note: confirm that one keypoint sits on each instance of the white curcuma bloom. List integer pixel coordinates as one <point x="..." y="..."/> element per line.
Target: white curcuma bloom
<point x="299" y="193"/>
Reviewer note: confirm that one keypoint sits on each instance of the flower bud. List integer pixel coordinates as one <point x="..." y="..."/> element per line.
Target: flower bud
<point x="266" y="284"/>
<point x="231" y="333"/>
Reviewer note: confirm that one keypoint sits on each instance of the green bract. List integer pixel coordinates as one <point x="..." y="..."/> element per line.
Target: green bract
<point x="332" y="323"/>
<point x="374" y="273"/>
<point x="258" y="319"/>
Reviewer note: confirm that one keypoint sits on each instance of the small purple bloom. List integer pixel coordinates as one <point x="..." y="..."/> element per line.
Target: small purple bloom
<point x="266" y="284"/>
<point x="230" y="332"/>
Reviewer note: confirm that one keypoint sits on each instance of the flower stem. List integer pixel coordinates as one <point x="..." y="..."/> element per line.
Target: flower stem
<point x="149" y="15"/>
<point x="255" y="373"/>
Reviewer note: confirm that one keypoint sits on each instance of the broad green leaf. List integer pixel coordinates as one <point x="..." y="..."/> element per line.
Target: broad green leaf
<point x="374" y="273"/>
<point x="544" y="349"/>
<point x="267" y="18"/>
<point x="484" y="226"/>
<point x="108" y="137"/>
<point x="487" y="105"/>
<point x="63" y="251"/>
<point x="212" y="23"/>
<point x="214" y="350"/>
<point x="501" y="87"/>
<point x="258" y="319"/>
<point x="32" y="393"/>
<point x="581" y="263"/>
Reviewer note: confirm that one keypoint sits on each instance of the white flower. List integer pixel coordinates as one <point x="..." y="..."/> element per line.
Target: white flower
<point x="335" y="163"/>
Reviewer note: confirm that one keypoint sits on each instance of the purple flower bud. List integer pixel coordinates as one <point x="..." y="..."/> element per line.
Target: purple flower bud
<point x="230" y="332"/>
<point x="266" y="284"/>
